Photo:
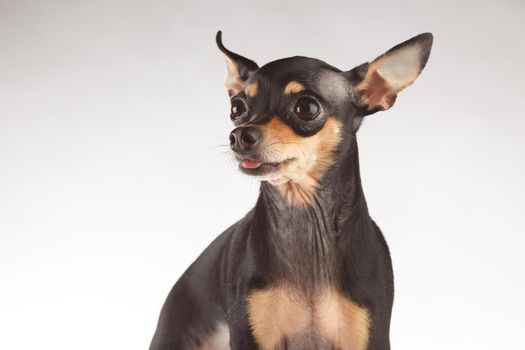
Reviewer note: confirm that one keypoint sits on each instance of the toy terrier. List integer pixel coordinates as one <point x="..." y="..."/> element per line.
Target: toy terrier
<point x="306" y="268"/>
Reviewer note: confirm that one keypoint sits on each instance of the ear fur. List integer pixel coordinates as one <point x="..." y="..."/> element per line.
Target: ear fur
<point x="239" y="68"/>
<point x="375" y="85"/>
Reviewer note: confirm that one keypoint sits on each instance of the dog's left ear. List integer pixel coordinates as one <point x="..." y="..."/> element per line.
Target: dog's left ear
<point x="375" y="85"/>
<point x="240" y="68"/>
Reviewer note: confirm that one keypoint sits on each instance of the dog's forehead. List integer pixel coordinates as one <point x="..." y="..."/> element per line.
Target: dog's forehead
<point x="313" y="74"/>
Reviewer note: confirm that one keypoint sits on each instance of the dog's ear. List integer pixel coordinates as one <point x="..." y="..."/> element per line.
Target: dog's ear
<point x="240" y="68"/>
<point x="375" y="85"/>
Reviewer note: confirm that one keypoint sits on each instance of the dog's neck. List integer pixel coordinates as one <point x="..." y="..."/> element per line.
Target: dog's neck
<point x="302" y="239"/>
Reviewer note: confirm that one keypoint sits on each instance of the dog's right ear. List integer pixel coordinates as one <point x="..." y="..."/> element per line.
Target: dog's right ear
<point x="240" y="68"/>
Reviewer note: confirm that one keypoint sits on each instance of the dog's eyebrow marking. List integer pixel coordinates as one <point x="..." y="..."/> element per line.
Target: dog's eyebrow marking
<point x="252" y="89"/>
<point x="293" y="87"/>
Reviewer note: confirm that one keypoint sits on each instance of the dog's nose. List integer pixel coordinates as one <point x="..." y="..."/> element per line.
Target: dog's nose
<point x="242" y="139"/>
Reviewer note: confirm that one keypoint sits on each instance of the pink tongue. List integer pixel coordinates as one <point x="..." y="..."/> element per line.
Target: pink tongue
<point x="250" y="164"/>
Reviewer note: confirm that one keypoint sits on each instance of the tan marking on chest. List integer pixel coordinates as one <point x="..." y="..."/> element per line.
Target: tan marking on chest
<point x="343" y="322"/>
<point x="284" y="312"/>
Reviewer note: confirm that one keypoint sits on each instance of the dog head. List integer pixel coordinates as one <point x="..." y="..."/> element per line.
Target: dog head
<point x="291" y="114"/>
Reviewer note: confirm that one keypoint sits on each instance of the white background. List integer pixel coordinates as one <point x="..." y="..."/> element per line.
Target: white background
<point x="113" y="178"/>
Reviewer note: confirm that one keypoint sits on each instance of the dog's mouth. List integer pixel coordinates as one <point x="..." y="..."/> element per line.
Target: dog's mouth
<point x="253" y="166"/>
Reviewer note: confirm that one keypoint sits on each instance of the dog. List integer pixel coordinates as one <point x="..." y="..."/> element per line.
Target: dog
<point x="306" y="268"/>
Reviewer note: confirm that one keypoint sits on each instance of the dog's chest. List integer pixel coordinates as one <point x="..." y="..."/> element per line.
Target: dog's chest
<point x="284" y="317"/>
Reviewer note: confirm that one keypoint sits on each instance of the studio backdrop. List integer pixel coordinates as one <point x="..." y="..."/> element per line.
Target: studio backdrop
<point x="115" y="169"/>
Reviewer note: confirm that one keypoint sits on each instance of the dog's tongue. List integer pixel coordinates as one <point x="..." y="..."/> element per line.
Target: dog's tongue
<point x="250" y="164"/>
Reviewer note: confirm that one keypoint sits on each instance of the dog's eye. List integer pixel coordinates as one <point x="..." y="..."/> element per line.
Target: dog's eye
<point x="307" y="108"/>
<point x="238" y="109"/>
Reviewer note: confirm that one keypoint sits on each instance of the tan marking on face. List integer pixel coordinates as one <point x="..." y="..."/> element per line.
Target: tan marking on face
<point x="293" y="87"/>
<point x="305" y="158"/>
<point x="285" y="312"/>
<point x="252" y="89"/>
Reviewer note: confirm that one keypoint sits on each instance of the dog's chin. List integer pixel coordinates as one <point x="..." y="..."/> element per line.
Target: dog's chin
<point x="264" y="171"/>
